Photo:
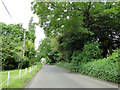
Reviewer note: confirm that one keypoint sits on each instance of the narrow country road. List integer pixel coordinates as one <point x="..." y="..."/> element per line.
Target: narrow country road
<point x="51" y="76"/>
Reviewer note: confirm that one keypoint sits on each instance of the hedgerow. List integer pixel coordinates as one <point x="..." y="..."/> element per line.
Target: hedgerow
<point x="106" y="68"/>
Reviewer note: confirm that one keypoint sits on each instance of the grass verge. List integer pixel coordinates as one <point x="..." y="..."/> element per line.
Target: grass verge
<point x="16" y="82"/>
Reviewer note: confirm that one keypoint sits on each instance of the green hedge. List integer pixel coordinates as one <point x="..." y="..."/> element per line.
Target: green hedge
<point x="64" y="65"/>
<point x="106" y="68"/>
<point x="101" y="69"/>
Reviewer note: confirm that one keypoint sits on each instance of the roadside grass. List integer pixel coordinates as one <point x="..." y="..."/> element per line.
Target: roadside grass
<point x="16" y="82"/>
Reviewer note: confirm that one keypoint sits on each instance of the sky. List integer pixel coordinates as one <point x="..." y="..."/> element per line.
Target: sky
<point x="20" y="11"/>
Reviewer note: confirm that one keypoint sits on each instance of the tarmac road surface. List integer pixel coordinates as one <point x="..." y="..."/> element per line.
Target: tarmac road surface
<point x="51" y="76"/>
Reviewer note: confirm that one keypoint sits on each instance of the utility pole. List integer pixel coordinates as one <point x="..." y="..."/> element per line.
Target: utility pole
<point x="24" y="45"/>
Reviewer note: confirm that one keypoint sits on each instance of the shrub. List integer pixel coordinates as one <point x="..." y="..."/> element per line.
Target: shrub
<point x="8" y="65"/>
<point x="64" y="64"/>
<point x="24" y="63"/>
<point x="90" y="53"/>
<point x="106" y="68"/>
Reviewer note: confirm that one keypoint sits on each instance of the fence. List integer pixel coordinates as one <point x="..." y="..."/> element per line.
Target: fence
<point x="7" y="80"/>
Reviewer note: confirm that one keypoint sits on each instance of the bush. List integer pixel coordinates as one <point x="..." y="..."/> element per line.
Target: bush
<point x="106" y="68"/>
<point x="90" y="53"/>
<point x="8" y="65"/>
<point x="24" y="63"/>
<point x="64" y="64"/>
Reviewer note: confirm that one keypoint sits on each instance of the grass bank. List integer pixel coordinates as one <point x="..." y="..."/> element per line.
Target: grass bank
<point x="16" y="82"/>
<point x="106" y="68"/>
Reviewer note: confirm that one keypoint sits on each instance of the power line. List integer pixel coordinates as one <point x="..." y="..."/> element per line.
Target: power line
<point x="7" y="9"/>
<point x="13" y="22"/>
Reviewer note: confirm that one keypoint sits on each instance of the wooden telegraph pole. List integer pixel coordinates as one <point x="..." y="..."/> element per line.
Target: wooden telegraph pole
<point x="24" y="45"/>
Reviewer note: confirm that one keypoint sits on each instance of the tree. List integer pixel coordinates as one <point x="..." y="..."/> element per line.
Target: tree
<point x="12" y="46"/>
<point x="46" y="51"/>
<point x="30" y="39"/>
<point x="12" y="41"/>
<point x="96" y="17"/>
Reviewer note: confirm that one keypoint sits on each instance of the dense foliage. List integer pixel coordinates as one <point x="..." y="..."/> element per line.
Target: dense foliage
<point x="81" y="34"/>
<point x="47" y="51"/>
<point x="106" y="68"/>
<point x="12" y="46"/>
<point x="79" y="22"/>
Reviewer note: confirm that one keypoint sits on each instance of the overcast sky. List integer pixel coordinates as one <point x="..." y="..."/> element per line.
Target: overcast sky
<point x="21" y="13"/>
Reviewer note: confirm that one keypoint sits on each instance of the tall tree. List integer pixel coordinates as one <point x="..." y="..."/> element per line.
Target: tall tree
<point x="30" y="40"/>
<point x="95" y="18"/>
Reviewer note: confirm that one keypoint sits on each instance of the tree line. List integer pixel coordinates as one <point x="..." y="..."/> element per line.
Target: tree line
<point x="72" y="28"/>
<point x="13" y="44"/>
